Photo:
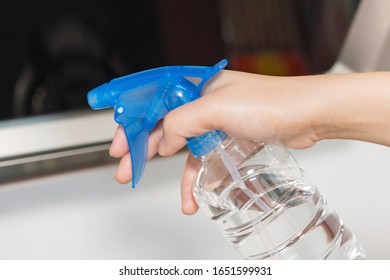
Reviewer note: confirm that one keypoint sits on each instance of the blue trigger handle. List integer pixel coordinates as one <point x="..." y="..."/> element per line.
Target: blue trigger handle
<point x="141" y="99"/>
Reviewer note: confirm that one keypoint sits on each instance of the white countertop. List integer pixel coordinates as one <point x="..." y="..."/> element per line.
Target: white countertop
<point x="87" y="215"/>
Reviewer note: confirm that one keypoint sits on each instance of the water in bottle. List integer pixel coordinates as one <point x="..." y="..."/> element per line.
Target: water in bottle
<point x="266" y="207"/>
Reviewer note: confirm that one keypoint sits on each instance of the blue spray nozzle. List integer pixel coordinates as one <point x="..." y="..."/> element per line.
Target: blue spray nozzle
<point x="140" y="100"/>
<point x="99" y="98"/>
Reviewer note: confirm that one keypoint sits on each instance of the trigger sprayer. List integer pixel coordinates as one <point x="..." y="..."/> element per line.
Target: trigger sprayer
<point x="140" y="100"/>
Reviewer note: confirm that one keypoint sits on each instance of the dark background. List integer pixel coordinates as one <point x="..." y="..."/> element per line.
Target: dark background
<point x="53" y="52"/>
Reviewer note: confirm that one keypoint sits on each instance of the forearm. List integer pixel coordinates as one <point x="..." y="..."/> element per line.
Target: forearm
<point x="352" y="106"/>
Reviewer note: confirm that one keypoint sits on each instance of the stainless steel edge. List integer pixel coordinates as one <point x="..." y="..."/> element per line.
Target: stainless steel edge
<point x="54" y="143"/>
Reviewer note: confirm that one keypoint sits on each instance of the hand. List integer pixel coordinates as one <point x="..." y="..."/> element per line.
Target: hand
<point x="299" y="111"/>
<point x="243" y="105"/>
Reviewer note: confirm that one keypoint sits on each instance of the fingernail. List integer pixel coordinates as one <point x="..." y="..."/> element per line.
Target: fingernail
<point x="110" y="151"/>
<point x="161" y="147"/>
<point x="113" y="146"/>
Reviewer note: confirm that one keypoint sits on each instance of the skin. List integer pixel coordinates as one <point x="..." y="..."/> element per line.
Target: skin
<point x="299" y="111"/>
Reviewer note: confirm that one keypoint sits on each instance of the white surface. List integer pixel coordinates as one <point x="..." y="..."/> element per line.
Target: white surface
<point x="86" y="215"/>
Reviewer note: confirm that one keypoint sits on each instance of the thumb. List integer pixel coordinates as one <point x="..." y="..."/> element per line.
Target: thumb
<point x="187" y="121"/>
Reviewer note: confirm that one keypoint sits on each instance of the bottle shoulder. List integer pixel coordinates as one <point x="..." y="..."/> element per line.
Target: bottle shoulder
<point x="214" y="170"/>
<point x="246" y="156"/>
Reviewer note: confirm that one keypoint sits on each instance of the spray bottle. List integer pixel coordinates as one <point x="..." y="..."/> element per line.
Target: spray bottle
<point x="254" y="191"/>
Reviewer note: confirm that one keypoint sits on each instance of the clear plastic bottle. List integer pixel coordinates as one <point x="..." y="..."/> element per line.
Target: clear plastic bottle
<point x="265" y="206"/>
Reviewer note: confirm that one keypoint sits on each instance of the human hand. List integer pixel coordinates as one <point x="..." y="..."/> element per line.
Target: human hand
<point x="243" y="105"/>
<point x="299" y="111"/>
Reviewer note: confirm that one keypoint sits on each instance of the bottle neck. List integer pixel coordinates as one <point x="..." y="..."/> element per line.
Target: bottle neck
<point x="216" y="151"/>
<point x="237" y="150"/>
<point x="204" y="144"/>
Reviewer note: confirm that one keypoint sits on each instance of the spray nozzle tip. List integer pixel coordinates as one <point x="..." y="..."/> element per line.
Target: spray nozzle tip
<point x="99" y="98"/>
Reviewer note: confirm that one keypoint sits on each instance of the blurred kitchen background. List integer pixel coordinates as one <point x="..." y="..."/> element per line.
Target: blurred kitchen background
<point x="58" y="198"/>
<point x="52" y="53"/>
